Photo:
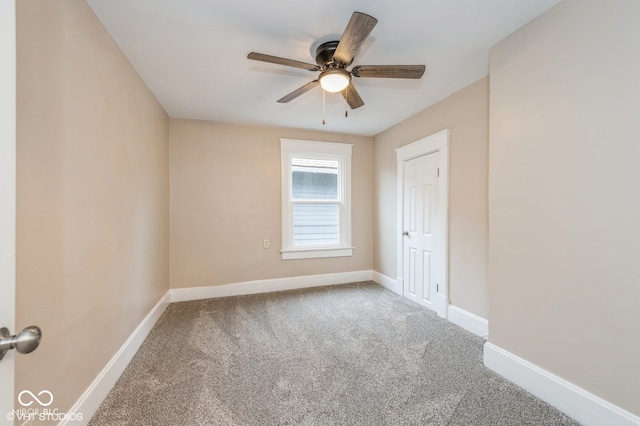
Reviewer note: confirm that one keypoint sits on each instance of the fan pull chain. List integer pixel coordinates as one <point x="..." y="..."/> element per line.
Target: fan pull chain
<point x="323" y="108"/>
<point x="346" y="99"/>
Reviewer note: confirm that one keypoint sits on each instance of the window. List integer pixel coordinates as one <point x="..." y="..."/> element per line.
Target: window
<point x="316" y="199"/>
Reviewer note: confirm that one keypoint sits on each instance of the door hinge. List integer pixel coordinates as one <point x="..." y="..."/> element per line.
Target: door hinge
<point x="438" y="172"/>
<point x="438" y="288"/>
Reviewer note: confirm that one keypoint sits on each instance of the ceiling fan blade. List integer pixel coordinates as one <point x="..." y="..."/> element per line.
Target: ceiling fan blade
<point x="282" y="61"/>
<point x="358" y="29"/>
<point x="352" y="97"/>
<point x="389" y="71"/>
<point x="304" y="89"/>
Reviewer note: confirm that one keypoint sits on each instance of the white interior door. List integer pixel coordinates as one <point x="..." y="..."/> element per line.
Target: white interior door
<point x="7" y="196"/>
<point x="420" y="224"/>
<point x="422" y="220"/>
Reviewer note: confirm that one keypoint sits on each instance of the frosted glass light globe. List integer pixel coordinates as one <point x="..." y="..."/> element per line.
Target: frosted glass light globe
<point x="335" y="80"/>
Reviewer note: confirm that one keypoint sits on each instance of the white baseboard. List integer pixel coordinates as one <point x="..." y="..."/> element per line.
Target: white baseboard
<point x="470" y="322"/>
<point x="90" y="400"/>
<point x="267" y="286"/>
<point x="574" y="401"/>
<point x="387" y="282"/>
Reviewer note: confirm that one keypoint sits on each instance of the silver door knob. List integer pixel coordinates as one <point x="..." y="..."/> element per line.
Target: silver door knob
<point x="405" y="233"/>
<point x="24" y="342"/>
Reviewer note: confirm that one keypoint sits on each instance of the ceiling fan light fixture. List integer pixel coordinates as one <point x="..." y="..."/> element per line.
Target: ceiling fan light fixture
<point x="335" y="79"/>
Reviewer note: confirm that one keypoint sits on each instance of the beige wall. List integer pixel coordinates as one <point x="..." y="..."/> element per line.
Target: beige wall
<point x="225" y="200"/>
<point x="92" y="196"/>
<point x="565" y="196"/>
<point x="466" y="114"/>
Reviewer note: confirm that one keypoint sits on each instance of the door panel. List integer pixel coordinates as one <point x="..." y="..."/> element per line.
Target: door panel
<point x="412" y="271"/>
<point x="413" y="209"/>
<point x="420" y="192"/>
<point x="426" y="276"/>
<point x="426" y="225"/>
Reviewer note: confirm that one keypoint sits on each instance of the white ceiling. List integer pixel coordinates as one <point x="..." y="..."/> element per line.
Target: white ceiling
<point x="193" y="54"/>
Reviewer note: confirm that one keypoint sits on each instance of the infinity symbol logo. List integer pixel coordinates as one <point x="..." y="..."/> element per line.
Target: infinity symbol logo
<point x="35" y="398"/>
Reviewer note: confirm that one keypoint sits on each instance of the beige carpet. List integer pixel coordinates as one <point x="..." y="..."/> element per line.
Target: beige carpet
<point x="344" y="355"/>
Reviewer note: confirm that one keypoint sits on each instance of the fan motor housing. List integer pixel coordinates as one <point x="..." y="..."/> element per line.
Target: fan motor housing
<point x="324" y="53"/>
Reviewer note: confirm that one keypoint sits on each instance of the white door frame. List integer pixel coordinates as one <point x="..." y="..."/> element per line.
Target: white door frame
<point x="438" y="142"/>
<point x="7" y="195"/>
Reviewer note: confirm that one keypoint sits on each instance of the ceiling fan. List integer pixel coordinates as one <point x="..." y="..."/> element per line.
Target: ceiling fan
<point x="333" y="58"/>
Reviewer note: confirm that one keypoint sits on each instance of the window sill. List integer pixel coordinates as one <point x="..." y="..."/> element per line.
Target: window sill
<point x="316" y="253"/>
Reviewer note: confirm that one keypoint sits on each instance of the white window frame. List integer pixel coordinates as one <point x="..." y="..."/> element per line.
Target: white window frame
<point x="290" y="148"/>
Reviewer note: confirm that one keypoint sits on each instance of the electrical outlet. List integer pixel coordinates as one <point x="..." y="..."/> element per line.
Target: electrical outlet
<point x="265" y="244"/>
